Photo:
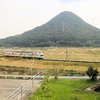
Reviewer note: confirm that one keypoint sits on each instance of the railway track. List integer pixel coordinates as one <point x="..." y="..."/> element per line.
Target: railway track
<point x="63" y="60"/>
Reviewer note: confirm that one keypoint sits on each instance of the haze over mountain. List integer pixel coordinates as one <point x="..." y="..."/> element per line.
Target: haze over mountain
<point x="65" y="29"/>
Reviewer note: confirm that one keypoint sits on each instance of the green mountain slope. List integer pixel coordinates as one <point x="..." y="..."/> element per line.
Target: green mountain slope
<point x="65" y="29"/>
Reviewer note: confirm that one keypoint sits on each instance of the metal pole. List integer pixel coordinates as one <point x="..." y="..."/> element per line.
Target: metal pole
<point x="32" y="82"/>
<point x="21" y="92"/>
<point x="66" y="54"/>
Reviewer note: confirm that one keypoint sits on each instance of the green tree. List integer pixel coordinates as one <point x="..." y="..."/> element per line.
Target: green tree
<point x="55" y="73"/>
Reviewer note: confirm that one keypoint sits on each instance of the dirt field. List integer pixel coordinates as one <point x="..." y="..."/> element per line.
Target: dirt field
<point x="7" y="86"/>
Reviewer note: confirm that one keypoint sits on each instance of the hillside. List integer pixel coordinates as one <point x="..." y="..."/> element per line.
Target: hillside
<point x="65" y="29"/>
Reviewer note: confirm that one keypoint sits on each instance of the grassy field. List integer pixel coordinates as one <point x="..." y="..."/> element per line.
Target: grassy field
<point x="66" y="89"/>
<point x="81" y="53"/>
<point x="47" y="64"/>
<point x="72" y="53"/>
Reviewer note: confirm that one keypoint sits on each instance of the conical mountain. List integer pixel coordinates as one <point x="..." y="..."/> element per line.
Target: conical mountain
<point x="65" y="29"/>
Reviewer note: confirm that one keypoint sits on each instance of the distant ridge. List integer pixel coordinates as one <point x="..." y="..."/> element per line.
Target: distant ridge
<point x="65" y="29"/>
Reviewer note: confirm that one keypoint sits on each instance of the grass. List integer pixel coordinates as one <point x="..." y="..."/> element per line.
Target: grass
<point x="66" y="89"/>
<point x="82" y="67"/>
<point x="47" y="64"/>
<point x="73" y="53"/>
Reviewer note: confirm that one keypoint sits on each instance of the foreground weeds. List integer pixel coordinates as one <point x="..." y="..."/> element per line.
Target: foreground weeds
<point x="66" y="89"/>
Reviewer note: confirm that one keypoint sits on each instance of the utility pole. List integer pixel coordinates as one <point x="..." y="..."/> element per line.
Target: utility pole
<point x="66" y="54"/>
<point x="63" y="30"/>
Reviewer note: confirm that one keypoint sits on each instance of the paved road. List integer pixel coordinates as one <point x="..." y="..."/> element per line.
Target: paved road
<point x="7" y="86"/>
<point x="29" y="76"/>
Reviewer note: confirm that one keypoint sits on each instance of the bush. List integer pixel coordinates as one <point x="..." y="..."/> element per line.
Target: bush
<point x="92" y="73"/>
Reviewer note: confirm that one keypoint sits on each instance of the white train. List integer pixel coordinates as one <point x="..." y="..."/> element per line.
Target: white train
<point x="31" y="55"/>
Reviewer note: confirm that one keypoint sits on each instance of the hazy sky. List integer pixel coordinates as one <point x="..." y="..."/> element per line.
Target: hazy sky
<point x="18" y="16"/>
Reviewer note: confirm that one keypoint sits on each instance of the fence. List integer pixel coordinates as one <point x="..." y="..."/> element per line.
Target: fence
<point x="22" y="92"/>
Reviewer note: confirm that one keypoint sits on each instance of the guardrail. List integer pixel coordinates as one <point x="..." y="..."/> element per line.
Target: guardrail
<point x="22" y="92"/>
<point x="18" y="76"/>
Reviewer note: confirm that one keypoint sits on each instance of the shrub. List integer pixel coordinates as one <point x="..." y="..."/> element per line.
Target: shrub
<point x="92" y="73"/>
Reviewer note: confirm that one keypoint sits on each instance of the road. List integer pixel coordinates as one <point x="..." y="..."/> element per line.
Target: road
<point x="42" y="76"/>
<point x="7" y="86"/>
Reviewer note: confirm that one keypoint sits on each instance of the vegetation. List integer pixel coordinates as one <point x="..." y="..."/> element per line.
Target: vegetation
<point x="18" y="70"/>
<point x="66" y="29"/>
<point x="92" y="54"/>
<point x="66" y="89"/>
<point x="73" y="53"/>
<point x="92" y="73"/>
<point x="76" y="66"/>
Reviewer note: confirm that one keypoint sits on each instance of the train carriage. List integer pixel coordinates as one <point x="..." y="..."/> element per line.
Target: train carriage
<point x="30" y="55"/>
<point x="39" y="56"/>
<point x="27" y="55"/>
